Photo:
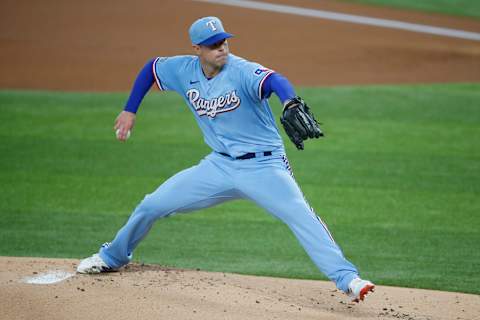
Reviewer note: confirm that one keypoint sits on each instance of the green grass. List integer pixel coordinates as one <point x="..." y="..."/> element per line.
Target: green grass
<point x="397" y="179"/>
<point x="467" y="8"/>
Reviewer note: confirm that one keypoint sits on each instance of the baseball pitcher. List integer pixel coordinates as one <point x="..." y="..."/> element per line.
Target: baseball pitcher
<point x="228" y="96"/>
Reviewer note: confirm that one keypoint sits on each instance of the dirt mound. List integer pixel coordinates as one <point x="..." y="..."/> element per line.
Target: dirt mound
<point x="154" y="292"/>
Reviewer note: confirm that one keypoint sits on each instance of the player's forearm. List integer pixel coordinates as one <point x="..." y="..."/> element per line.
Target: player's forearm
<point x="142" y="84"/>
<point x="280" y="85"/>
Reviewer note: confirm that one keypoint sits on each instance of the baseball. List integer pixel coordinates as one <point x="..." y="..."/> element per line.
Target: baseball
<point x="118" y="132"/>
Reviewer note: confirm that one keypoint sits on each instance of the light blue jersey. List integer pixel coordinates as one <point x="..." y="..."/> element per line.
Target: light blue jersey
<point x="228" y="108"/>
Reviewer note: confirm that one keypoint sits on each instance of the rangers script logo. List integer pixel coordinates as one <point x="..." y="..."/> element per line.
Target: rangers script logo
<point x="211" y="108"/>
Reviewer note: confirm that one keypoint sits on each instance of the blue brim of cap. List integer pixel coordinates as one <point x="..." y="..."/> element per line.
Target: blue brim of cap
<point x="216" y="38"/>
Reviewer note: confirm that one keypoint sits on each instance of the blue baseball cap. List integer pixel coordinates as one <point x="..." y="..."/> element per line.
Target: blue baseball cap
<point x="207" y="31"/>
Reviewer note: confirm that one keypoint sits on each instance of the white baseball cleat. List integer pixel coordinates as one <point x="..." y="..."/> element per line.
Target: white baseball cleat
<point x="358" y="289"/>
<point x="93" y="264"/>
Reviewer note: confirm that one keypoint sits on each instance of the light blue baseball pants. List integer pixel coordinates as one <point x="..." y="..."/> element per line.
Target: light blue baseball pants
<point x="265" y="180"/>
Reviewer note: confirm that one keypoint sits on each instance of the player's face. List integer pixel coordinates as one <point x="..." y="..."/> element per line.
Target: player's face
<point x="215" y="55"/>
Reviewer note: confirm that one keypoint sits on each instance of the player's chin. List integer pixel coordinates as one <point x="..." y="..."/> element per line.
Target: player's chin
<point x="221" y="61"/>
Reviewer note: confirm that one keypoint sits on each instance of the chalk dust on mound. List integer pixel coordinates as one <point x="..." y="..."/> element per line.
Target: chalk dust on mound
<point x="154" y="292"/>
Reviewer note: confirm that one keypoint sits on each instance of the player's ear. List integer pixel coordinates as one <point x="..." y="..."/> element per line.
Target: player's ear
<point x="196" y="49"/>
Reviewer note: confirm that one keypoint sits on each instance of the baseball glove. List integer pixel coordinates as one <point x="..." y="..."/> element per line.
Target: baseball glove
<point x="299" y="122"/>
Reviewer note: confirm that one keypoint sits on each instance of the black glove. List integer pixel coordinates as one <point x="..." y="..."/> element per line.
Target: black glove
<point x="299" y="123"/>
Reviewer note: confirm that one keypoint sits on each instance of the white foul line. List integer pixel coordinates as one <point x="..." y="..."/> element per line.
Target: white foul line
<point x="394" y="24"/>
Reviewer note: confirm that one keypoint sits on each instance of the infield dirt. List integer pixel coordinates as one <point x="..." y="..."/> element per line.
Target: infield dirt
<point x="153" y="292"/>
<point x="100" y="46"/>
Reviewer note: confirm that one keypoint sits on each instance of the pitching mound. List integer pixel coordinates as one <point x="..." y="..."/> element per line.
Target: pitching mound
<point x="38" y="288"/>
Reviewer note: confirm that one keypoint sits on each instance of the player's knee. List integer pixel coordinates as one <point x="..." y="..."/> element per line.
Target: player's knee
<point x="296" y="215"/>
<point x="151" y="208"/>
